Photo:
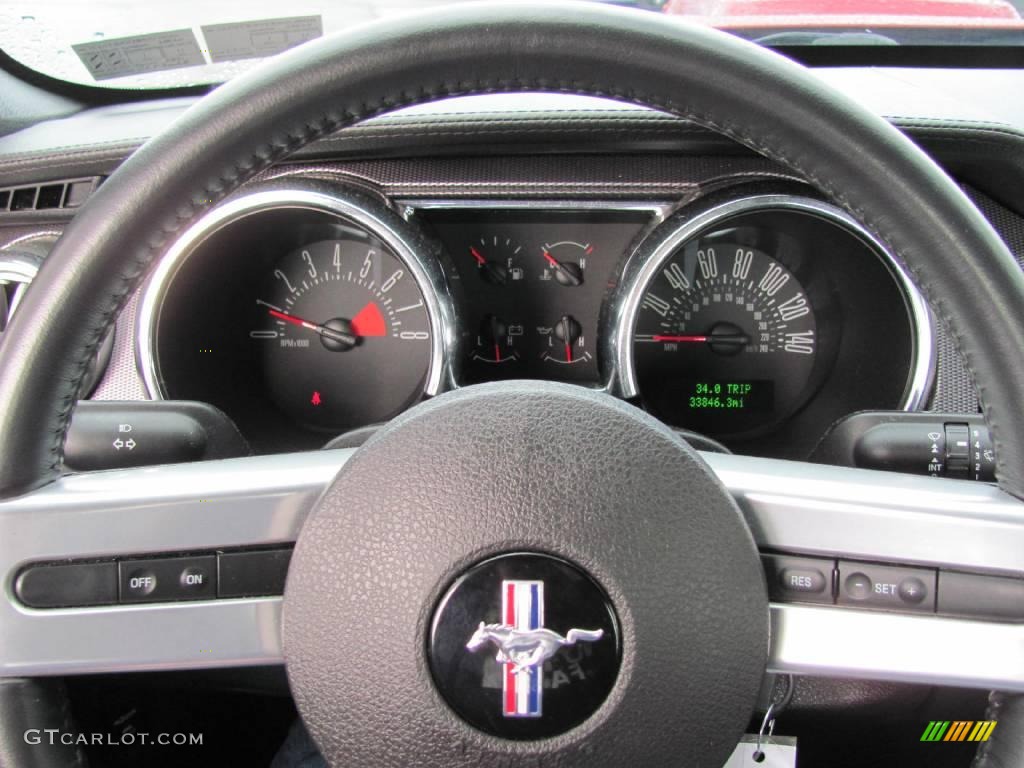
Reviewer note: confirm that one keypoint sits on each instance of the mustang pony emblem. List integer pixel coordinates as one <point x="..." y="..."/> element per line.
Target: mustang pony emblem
<point x="526" y="649"/>
<point x="524" y="645"/>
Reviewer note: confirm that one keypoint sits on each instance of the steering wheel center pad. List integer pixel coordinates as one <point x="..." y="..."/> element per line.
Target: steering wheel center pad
<point x="526" y="467"/>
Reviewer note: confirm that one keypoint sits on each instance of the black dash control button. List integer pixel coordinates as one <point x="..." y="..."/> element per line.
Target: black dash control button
<point x="72" y="586"/>
<point x="999" y="598"/>
<point x="253" y="574"/>
<point x="801" y="579"/>
<point x="886" y="587"/>
<point x="168" y="579"/>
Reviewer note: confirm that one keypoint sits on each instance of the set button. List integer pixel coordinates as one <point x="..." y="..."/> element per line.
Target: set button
<point x="887" y="587"/>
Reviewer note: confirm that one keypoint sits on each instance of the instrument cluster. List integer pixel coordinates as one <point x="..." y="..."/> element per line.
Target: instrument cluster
<point x="758" y="317"/>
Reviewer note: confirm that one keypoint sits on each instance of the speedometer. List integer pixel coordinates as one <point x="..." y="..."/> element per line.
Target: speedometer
<point x="726" y="336"/>
<point x="760" y="318"/>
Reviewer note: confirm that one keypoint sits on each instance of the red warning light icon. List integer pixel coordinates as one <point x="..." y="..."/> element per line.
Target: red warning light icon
<point x="315" y="400"/>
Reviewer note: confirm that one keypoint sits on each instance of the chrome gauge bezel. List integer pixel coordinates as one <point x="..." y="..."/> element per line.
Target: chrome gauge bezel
<point x="641" y="270"/>
<point x="352" y="209"/>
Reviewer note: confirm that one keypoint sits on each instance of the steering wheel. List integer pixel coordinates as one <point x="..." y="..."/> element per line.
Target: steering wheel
<point x="665" y="540"/>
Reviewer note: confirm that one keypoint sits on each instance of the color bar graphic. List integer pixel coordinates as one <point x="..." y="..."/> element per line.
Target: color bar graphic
<point x="958" y="730"/>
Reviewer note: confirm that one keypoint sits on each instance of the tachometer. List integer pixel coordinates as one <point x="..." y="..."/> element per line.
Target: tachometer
<point x="725" y="338"/>
<point x="300" y="309"/>
<point x="336" y="319"/>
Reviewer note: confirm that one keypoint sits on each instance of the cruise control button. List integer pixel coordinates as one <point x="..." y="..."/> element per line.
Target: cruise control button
<point x="802" y="579"/>
<point x="168" y="579"/>
<point x="140" y="583"/>
<point x="194" y="579"/>
<point x="858" y="586"/>
<point x="886" y="587"/>
<point x="912" y="590"/>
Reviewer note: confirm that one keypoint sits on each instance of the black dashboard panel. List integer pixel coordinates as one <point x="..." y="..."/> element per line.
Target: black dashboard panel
<point x="755" y="314"/>
<point x="564" y="151"/>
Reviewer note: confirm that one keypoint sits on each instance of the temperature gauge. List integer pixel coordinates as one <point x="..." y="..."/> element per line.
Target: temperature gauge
<point x="566" y="262"/>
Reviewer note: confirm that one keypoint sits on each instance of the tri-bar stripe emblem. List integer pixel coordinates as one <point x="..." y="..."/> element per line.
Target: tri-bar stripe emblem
<point x="958" y="730"/>
<point x="522" y="607"/>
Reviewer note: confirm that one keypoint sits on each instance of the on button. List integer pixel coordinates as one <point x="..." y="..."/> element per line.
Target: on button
<point x="194" y="579"/>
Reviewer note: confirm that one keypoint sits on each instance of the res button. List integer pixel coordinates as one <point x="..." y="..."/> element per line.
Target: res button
<point x="802" y="579"/>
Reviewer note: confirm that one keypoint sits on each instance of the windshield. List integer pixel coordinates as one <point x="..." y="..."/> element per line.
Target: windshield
<point x="149" y="44"/>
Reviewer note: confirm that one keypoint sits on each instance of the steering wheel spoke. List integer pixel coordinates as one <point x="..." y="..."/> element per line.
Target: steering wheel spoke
<point x="153" y="512"/>
<point x="791" y="507"/>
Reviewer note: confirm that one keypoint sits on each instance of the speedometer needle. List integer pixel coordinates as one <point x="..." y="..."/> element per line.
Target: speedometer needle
<point x="717" y="338"/>
<point x="349" y="339"/>
<point x="681" y="339"/>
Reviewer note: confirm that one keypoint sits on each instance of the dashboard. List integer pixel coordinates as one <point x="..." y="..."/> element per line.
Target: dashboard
<point x="756" y="314"/>
<point x="536" y="237"/>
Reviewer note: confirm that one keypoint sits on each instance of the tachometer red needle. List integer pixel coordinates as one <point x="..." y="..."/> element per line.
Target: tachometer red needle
<point x="476" y="255"/>
<point x="682" y="339"/>
<point x="330" y="333"/>
<point x="292" y="319"/>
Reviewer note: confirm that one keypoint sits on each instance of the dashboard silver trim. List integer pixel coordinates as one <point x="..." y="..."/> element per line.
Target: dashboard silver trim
<point x="20" y="269"/>
<point x="789" y="506"/>
<point x="871" y="645"/>
<point x="637" y="276"/>
<point x="428" y="275"/>
<point x="659" y="211"/>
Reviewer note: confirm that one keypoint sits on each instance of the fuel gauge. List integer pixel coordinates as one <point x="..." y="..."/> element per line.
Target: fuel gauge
<point x="497" y="260"/>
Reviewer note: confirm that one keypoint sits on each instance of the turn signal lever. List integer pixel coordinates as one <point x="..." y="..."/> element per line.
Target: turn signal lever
<point x="941" y="445"/>
<point x="107" y="434"/>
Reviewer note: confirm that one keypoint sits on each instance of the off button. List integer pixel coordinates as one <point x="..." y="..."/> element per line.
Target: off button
<point x="140" y="584"/>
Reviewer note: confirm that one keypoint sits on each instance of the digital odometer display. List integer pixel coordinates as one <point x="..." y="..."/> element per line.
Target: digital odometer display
<point x="751" y="396"/>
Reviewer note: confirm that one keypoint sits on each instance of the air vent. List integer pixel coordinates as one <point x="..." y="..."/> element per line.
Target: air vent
<point x="54" y="195"/>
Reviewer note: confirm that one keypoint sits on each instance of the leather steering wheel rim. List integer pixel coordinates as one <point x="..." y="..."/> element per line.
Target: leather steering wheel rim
<point x="713" y="79"/>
